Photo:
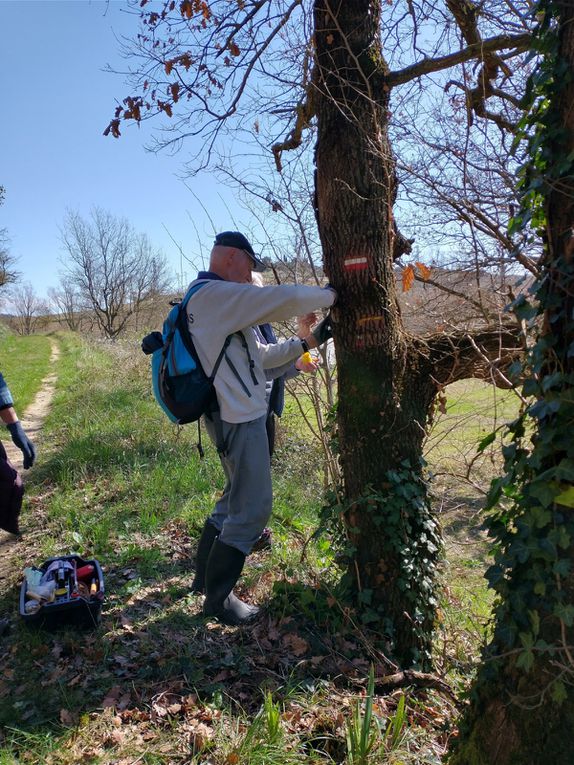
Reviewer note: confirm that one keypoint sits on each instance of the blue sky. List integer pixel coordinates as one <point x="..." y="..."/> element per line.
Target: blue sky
<point x="57" y="100"/>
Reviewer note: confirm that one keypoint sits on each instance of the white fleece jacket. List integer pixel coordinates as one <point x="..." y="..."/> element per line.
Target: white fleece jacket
<point x="219" y="309"/>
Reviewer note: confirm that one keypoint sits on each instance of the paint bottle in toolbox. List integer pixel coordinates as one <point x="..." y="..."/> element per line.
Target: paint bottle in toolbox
<point x="85" y="572"/>
<point x="61" y="584"/>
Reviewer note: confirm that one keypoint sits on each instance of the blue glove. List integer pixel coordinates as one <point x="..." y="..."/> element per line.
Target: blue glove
<point x="323" y="330"/>
<point x="22" y="442"/>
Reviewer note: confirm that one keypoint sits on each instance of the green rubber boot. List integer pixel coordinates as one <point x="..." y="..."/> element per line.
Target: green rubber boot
<point x="224" y="568"/>
<point x="206" y="540"/>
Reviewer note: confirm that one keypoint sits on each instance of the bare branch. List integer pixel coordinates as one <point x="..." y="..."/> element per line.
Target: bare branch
<point x="518" y="43"/>
<point x="477" y="354"/>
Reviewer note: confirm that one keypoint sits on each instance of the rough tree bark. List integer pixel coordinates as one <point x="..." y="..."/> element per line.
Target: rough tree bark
<point x="387" y="380"/>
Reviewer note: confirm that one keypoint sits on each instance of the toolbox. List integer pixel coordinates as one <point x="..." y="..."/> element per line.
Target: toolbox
<point x="66" y="590"/>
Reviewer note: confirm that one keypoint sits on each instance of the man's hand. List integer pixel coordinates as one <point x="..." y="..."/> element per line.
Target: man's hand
<point x="306" y="363"/>
<point x="304" y="323"/>
<point x="22" y="442"/>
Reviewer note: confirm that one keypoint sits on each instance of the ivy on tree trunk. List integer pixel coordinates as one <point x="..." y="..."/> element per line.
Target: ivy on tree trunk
<point x="522" y="707"/>
<point x="385" y="392"/>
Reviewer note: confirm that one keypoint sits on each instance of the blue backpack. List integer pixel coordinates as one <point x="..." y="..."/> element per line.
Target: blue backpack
<point x="180" y="385"/>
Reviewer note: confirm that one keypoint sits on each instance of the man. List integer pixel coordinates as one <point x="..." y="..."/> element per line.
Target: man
<point x="228" y="304"/>
<point x="276" y="378"/>
<point x="275" y="384"/>
<point x="11" y="487"/>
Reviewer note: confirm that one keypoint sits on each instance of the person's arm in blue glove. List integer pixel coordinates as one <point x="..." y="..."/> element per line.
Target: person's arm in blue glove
<point x="22" y="442"/>
<point x="10" y="419"/>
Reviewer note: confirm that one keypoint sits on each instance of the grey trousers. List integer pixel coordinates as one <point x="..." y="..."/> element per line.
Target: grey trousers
<point x="243" y="510"/>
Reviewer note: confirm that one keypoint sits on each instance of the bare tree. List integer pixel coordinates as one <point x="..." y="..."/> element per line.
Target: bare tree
<point x="67" y="304"/>
<point x="8" y="273"/>
<point x="28" y="309"/>
<point x="114" y="270"/>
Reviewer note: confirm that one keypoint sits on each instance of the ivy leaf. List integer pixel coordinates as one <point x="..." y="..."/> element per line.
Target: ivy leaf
<point x="550" y="381"/>
<point x="527" y="639"/>
<point x="540" y="589"/>
<point x="494" y="575"/>
<point x="530" y="387"/>
<point x="366" y="596"/>
<point x="535" y="621"/>
<point x="523" y="309"/>
<point x="542" y="491"/>
<point x="486" y="441"/>
<point x="559" y="693"/>
<point x="525" y="660"/>
<point x="544" y="408"/>
<point x="541" y="517"/>
<point x="566" y="498"/>
<point x="565" y="612"/>
<point x="561" y="567"/>
<point x="370" y="616"/>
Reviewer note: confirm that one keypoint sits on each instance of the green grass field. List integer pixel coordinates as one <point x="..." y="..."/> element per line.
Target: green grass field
<point x="461" y="478"/>
<point x="473" y="410"/>
<point x="155" y="683"/>
<point x="24" y="362"/>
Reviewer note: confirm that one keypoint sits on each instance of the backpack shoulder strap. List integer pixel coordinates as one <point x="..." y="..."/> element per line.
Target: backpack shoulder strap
<point x="250" y="362"/>
<point x="220" y="357"/>
<point x="191" y="291"/>
<point x="181" y="320"/>
<point x="186" y="335"/>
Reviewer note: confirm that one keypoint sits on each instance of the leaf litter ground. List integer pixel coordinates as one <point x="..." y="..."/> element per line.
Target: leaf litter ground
<point x="155" y="678"/>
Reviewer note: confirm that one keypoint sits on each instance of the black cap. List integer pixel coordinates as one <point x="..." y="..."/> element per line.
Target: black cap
<point x="236" y="239"/>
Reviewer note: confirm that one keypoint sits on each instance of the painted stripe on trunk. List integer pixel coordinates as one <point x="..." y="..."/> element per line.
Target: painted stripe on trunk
<point x="355" y="264"/>
<point x="365" y="319"/>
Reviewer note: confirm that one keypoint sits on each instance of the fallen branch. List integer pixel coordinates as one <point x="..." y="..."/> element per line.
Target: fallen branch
<point x="407" y="677"/>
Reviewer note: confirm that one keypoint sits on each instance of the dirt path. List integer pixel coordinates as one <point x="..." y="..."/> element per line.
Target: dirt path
<point x="32" y="419"/>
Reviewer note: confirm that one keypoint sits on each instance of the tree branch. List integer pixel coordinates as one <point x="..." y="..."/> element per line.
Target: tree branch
<point x="410" y="677"/>
<point x="476" y="50"/>
<point x="450" y="291"/>
<point x="484" y="355"/>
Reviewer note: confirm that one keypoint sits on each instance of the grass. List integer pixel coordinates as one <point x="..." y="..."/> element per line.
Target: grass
<point x="461" y="478"/>
<point x="25" y="362"/>
<point x="473" y="410"/>
<point x="155" y="683"/>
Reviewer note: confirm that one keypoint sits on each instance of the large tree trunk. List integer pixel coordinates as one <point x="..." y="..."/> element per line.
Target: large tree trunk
<point x="385" y="388"/>
<point x="387" y="380"/>
<point x="522" y="710"/>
